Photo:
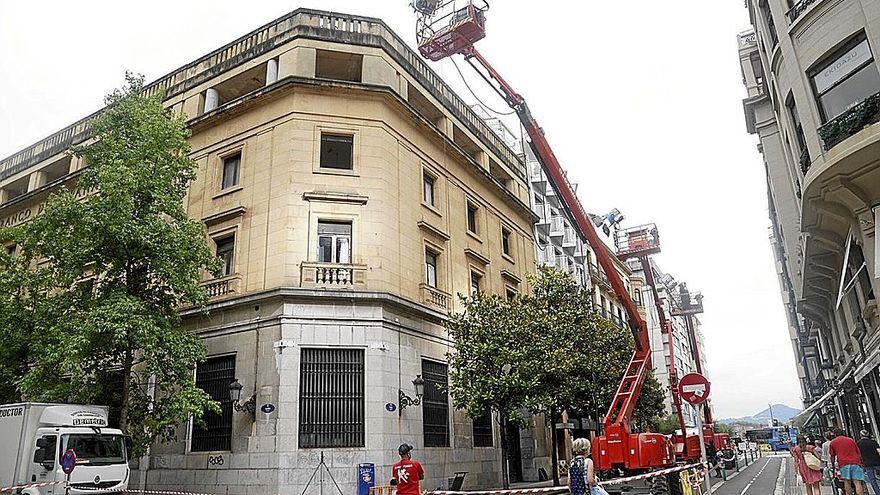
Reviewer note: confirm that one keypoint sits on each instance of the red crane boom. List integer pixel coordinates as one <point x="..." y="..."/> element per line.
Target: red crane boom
<point x="618" y="447"/>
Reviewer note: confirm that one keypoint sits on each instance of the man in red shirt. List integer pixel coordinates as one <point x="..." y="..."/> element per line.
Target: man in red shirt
<point x="844" y="452"/>
<point x="407" y="472"/>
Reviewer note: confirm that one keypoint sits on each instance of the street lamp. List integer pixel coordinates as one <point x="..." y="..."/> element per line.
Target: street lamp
<point x="235" y="396"/>
<point x="405" y="401"/>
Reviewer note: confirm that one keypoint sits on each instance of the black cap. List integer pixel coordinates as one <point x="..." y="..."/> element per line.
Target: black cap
<point x="404" y="449"/>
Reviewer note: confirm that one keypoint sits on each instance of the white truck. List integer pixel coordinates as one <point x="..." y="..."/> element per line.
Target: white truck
<point x="34" y="436"/>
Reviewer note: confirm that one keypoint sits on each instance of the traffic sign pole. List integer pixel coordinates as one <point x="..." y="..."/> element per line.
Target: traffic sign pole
<point x="707" y="478"/>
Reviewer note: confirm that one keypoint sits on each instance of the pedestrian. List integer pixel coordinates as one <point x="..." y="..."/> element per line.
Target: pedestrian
<point x="870" y="451"/>
<point x="844" y="453"/>
<point x="581" y="474"/>
<point x="826" y="458"/>
<point x="808" y="465"/>
<point x="407" y="472"/>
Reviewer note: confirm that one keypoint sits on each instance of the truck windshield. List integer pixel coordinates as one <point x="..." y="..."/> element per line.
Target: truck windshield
<point x="96" y="449"/>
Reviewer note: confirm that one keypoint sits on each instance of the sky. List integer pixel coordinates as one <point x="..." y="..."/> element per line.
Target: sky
<point x="641" y="102"/>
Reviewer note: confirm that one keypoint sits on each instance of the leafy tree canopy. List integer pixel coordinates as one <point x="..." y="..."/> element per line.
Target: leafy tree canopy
<point x="104" y="277"/>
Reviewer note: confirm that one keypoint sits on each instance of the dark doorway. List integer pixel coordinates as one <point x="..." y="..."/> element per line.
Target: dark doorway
<point x="514" y="454"/>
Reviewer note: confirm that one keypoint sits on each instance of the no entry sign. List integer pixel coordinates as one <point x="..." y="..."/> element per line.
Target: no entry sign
<point x="694" y="388"/>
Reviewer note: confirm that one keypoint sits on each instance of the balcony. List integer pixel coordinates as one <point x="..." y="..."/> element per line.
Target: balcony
<point x="599" y="276"/>
<point x="224" y="286"/>
<point x="797" y="9"/>
<point x="569" y="239"/>
<point x="557" y="226"/>
<point x="333" y="275"/>
<point x="536" y="172"/>
<point x="562" y="262"/>
<point x="435" y="297"/>
<point x="850" y="122"/>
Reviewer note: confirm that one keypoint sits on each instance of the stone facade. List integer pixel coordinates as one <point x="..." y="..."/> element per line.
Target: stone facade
<point x="353" y="197"/>
<point x="813" y="81"/>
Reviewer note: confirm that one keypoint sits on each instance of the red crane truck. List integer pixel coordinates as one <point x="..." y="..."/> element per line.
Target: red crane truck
<point x="445" y="29"/>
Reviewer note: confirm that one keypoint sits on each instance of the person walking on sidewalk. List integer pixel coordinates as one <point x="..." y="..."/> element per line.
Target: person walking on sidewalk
<point x="808" y="465"/>
<point x="826" y="457"/>
<point x="844" y="453"/>
<point x="870" y="451"/>
<point x="407" y="472"/>
<point x="581" y="474"/>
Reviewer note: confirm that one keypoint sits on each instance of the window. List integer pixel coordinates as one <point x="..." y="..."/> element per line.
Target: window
<point x="428" y="189"/>
<point x="225" y="251"/>
<point x="431" y="268"/>
<point x="796" y="123"/>
<point x="846" y="79"/>
<point x="475" y="282"/>
<point x="214" y="376"/>
<point x="510" y="293"/>
<point x="334" y="242"/>
<point x="231" y="169"/>
<point x="331" y="398"/>
<point x="336" y="151"/>
<point x="483" y="430"/>
<point x="505" y="241"/>
<point x="435" y="404"/>
<point x="471" y="218"/>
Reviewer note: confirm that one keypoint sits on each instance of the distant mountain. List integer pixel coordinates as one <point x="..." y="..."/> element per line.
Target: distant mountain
<point x="780" y="412"/>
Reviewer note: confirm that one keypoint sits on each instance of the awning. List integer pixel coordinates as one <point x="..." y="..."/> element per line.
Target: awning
<point x="867" y="366"/>
<point x="816" y="405"/>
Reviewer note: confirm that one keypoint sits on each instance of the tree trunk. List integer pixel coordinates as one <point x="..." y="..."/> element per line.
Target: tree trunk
<point x="126" y="390"/>
<point x="554" y="446"/>
<point x="505" y="478"/>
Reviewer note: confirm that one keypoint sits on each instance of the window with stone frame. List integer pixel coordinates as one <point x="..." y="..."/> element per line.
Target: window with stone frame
<point x="484" y="430"/>
<point x="435" y="404"/>
<point x="231" y="171"/>
<point x="845" y="78"/>
<point x="337" y="151"/>
<point x="334" y="242"/>
<point x="214" y="376"/>
<point x="226" y="253"/>
<point x="331" y="398"/>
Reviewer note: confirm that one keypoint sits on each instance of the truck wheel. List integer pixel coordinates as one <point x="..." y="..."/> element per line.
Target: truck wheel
<point x="674" y="480"/>
<point x="659" y="485"/>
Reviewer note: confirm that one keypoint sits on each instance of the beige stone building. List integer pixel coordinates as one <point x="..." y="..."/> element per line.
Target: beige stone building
<point x="813" y="81"/>
<point x="352" y="196"/>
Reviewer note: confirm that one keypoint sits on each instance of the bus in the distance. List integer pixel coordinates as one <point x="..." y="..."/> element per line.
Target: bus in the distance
<point x="777" y="437"/>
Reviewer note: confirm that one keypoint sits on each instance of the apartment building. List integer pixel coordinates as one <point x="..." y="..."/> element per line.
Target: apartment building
<point x="813" y="100"/>
<point x="674" y="296"/>
<point x="352" y="196"/>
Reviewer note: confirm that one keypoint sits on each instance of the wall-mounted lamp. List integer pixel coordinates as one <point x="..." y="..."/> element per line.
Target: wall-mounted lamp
<point x="405" y="401"/>
<point x="235" y="396"/>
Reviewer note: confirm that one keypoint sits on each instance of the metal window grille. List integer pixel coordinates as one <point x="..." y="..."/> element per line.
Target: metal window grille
<point x="483" y="430"/>
<point x="435" y="404"/>
<point x="214" y="376"/>
<point x="331" y="406"/>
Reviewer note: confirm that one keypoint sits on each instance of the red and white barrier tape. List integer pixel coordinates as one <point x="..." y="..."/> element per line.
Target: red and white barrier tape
<point x="32" y="485"/>
<point x="98" y="491"/>
<point x="522" y="491"/>
<point x="652" y="474"/>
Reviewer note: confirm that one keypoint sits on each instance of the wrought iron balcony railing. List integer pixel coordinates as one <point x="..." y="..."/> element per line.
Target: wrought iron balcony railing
<point x="850" y="122"/>
<point x="797" y="9"/>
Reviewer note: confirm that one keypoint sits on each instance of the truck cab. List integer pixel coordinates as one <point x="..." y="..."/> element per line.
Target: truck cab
<point x="43" y="432"/>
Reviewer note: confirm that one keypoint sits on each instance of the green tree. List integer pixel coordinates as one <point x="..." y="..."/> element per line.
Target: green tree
<point x="495" y="367"/>
<point x="125" y="260"/>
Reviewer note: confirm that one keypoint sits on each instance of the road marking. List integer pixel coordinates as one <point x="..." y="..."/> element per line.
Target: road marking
<point x="755" y="478"/>
<point x="780" y="479"/>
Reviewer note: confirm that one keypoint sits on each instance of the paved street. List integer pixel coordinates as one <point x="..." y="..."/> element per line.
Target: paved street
<point x="760" y="478"/>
